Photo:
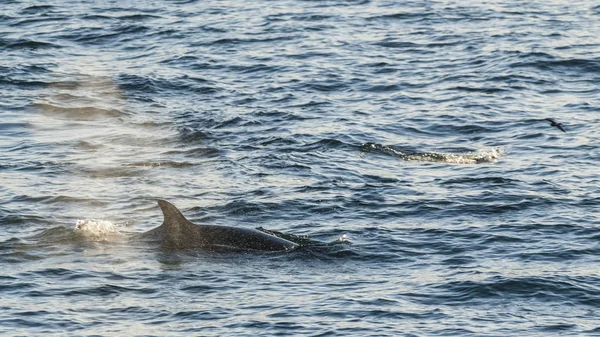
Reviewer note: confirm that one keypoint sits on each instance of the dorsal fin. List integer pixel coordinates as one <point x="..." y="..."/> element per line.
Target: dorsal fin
<point x="172" y="216"/>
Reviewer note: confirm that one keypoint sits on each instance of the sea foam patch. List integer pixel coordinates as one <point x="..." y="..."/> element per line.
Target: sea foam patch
<point x="486" y="155"/>
<point x="99" y="230"/>
<point x="480" y="156"/>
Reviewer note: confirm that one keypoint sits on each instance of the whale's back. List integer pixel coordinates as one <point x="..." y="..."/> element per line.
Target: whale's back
<point x="176" y="232"/>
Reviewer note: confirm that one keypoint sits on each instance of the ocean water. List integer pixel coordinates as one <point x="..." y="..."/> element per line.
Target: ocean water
<point x="407" y="136"/>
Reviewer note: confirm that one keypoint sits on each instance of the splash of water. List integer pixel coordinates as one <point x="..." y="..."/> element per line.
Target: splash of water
<point x="487" y="155"/>
<point x="98" y="230"/>
<point x="344" y="238"/>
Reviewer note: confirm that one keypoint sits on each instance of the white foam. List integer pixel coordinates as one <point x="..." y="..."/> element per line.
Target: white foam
<point x="490" y="154"/>
<point x="481" y="156"/>
<point x="486" y="155"/>
<point x="98" y="230"/>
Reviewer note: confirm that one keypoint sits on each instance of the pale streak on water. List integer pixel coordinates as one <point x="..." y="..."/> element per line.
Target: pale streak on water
<point x="415" y="130"/>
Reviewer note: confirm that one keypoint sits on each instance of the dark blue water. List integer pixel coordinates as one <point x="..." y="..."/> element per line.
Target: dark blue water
<point x="415" y="128"/>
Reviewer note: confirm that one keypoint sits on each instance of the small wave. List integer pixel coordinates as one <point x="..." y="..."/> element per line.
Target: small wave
<point x="36" y="9"/>
<point x="24" y="43"/>
<point x="573" y="289"/>
<point x="405" y="16"/>
<point x="198" y="152"/>
<point x="544" y="61"/>
<point x="488" y="155"/>
<point x="109" y="172"/>
<point x="136" y="85"/>
<point x="487" y="181"/>
<point x="171" y="164"/>
<point x="84" y="113"/>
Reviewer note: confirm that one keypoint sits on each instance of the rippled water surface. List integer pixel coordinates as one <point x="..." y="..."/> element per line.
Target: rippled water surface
<point x="415" y="128"/>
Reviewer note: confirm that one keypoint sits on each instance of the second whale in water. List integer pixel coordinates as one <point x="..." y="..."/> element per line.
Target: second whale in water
<point x="177" y="232"/>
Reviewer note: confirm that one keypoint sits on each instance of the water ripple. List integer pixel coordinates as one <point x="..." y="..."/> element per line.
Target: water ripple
<point x="404" y="145"/>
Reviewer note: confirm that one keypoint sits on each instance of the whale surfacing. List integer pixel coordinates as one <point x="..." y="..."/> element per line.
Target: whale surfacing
<point x="177" y="232"/>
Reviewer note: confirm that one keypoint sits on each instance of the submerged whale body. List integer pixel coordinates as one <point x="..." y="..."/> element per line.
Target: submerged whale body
<point x="177" y="232"/>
